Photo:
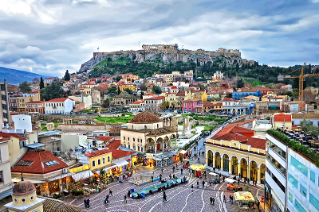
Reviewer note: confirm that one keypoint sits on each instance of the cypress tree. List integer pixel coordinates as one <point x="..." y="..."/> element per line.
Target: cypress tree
<point x="41" y="83"/>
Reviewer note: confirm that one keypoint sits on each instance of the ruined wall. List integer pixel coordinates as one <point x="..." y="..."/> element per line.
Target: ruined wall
<point x="80" y="127"/>
<point x="59" y="118"/>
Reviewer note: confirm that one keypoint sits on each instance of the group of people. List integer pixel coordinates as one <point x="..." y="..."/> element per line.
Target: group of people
<point x="246" y="179"/>
<point x="231" y="199"/>
<point x="87" y="203"/>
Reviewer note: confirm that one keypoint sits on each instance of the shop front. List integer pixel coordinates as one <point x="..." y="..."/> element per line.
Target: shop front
<point x="149" y="160"/>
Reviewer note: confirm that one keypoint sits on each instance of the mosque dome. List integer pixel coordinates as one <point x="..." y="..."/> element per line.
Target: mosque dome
<point x="23" y="188"/>
<point x="145" y="117"/>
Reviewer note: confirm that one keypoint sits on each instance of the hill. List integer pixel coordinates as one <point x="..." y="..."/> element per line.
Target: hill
<point x="15" y="76"/>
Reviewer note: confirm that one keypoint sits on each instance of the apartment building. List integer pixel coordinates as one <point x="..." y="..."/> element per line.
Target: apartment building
<point x="59" y="106"/>
<point x="18" y="101"/>
<point x="5" y="168"/>
<point x="154" y="103"/>
<point x="292" y="179"/>
<point x="4" y="109"/>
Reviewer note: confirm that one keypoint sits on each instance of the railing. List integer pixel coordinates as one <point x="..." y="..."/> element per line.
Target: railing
<point x="277" y="166"/>
<point x="277" y="150"/>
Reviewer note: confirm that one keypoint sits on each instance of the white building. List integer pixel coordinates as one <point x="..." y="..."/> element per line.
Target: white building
<point x="154" y="103"/>
<point x="49" y="80"/>
<point x="5" y="167"/>
<point x="291" y="178"/>
<point x="181" y="85"/>
<point x="59" y="106"/>
<point x="72" y="140"/>
<point x="138" y="106"/>
<point x="218" y="75"/>
<point x="22" y="122"/>
<point x="87" y="100"/>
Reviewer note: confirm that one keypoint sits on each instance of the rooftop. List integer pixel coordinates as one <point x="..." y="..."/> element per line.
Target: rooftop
<point x="116" y="154"/>
<point x="38" y="162"/>
<point x="7" y="136"/>
<point x="282" y="117"/>
<point x="156" y="98"/>
<point x="114" y="144"/>
<point x="59" y="100"/>
<point x="105" y="138"/>
<point x="145" y="117"/>
<point x="97" y="153"/>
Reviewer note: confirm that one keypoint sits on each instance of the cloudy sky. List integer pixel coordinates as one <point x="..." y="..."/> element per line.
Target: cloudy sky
<point x="50" y="36"/>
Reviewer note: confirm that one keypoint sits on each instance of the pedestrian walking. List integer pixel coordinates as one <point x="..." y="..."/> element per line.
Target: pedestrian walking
<point x="164" y="196"/>
<point x="203" y="184"/>
<point x="224" y="199"/>
<point x="173" y="169"/>
<point x="125" y="199"/>
<point x="181" y="171"/>
<point x="85" y="204"/>
<point x="211" y="200"/>
<point x="248" y="181"/>
<point x="197" y="185"/>
<point x="110" y="193"/>
<point x="258" y="205"/>
<point x="192" y="187"/>
<point x="88" y="203"/>
<point x="162" y="171"/>
<point x="238" y="181"/>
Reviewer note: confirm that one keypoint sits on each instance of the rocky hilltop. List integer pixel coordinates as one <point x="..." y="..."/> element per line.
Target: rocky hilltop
<point x="160" y="53"/>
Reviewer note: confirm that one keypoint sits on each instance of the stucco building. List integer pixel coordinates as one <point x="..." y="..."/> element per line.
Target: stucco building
<point x="124" y="98"/>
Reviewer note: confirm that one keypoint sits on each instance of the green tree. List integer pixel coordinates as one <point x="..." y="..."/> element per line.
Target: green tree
<point x="186" y="81"/>
<point x="67" y="75"/>
<point x="52" y="91"/>
<point x="25" y="87"/>
<point x="142" y="93"/>
<point x="128" y="91"/>
<point x="156" y="90"/>
<point x="41" y="83"/>
<point x="118" y="90"/>
<point x="240" y="83"/>
<point x="118" y="78"/>
<point x="106" y="103"/>
<point x="112" y="89"/>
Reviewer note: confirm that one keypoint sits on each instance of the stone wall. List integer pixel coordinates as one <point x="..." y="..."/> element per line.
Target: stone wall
<point x="59" y="118"/>
<point x="80" y="127"/>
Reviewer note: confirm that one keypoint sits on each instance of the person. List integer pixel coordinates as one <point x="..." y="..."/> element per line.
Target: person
<point x="192" y="187"/>
<point x="176" y="165"/>
<point x="129" y="193"/>
<point x="220" y="175"/>
<point x="203" y="183"/>
<point x="231" y="199"/>
<point x="110" y="193"/>
<point x="258" y="205"/>
<point x="248" y="181"/>
<point x="197" y="184"/>
<point x="125" y="199"/>
<point x="106" y="199"/>
<point x="164" y="196"/>
<point x="88" y="203"/>
<point x="173" y="169"/>
<point x="238" y="181"/>
<point x="255" y="183"/>
<point x="239" y="176"/>
<point x="199" y="154"/>
<point x="162" y="171"/>
<point x="85" y="203"/>
<point x="211" y="200"/>
<point x="227" y="186"/>
<point x="181" y="171"/>
<point x="224" y="199"/>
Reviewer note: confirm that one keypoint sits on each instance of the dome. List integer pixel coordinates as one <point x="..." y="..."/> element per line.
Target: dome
<point x="145" y="117"/>
<point x="23" y="188"/>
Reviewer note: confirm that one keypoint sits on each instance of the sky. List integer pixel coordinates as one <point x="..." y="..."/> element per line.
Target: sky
<point x="50" y="36"/>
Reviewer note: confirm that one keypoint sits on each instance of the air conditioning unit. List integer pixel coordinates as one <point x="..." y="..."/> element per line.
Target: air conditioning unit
<point x="65" y="170"/>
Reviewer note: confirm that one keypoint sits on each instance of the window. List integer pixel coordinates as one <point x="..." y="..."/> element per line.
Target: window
<point x="3" y="87"/>
<point x="291" y="198"/>
<point x="21" y="144"/>
<point x="312" y="176"/>
<point x="302" y="168"/>
<point x="1" y="177"/>
<point x="99" y="162"/>
<point x="299" y="206"/>
<point x="124" y="138"/>
<point x="314" y="201"/>
<point x="293" y="181"/>
<point x="108" y="158"/>
<point x="138" y="148"/>
<point x="303" y="190"/>
<point x="103" y="160"/>
<point x="93" y="163"/>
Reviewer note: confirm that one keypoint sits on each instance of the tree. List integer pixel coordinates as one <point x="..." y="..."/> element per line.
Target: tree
<point x="186" y="81"/>
<point x="25" y="87"/>
<point x="240" y="83"/>
<point x="118" y="90"/>
<point x="129" y="91"/>
<point x="112" y="89"/>
<point x="142" y="93"/>
<point x="156" y="90"/>
<point x="35" y="80"/>
<point x="67" y="75"/>
<point x="103" y="89"/>
<point x="164" y="105"/>
<point x="106" y="103"/>
<point x="41" y="83"/>
<point x="308" y="96"/>
<point x="118" y="78"/>
<point x="52" y="91"/>
<point x="143" y="87"/>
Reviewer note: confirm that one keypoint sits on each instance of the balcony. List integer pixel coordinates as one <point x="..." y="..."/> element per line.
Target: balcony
<point x="276" y="165"/>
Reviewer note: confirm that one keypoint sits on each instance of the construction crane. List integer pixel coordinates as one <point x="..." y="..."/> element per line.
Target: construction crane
<point x="301" y="80"/>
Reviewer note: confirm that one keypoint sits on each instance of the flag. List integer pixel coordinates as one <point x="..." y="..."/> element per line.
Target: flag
<point x="98" y="48"/>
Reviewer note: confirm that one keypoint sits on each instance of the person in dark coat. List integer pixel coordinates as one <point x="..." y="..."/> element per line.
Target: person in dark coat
<point x="164" y="196"/>
<point x="88" y="203"/>
<point x="211" y="200"/>
<point x="85" y="203"/>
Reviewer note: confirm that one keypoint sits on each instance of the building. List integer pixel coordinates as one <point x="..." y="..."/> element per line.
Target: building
<point x="59" y="106"/>
<point x="149" y="95"/>
<point x="192" y="106"/>
<point x="124" y="98"/>
<point x="131" y="87"/>
<point x="170" y="89"/>
<point x="172" y="99"/>
<point x="234" y="150"/>
<point x="35" y="107"/>
<point x="212" y="106"/>
<point x="48" y="80"/>
<point x="96" y="96"/>
<point x="292" y="178"/>
<point x="4" y="109"/>
<point x="90" y="84"/>
<point x="99" y="159"/>
<point x="130" y="78"/>
<point x="198" y="94"/>
<point x="147" y="133"/>
<point x="297" y="118"/>
<point x="73" y="140"/>
<point x="86" y="100"/>
<point x="218" y="75"/>
<point x="5" y="168"/>
<point x="282" y="120"/>
<point x="138" y="106"/>
<point x="154" y="103"/>
<point x="232" y="106"/>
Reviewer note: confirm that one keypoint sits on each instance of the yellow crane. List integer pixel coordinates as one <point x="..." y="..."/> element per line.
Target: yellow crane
<point x="301" y="79"/>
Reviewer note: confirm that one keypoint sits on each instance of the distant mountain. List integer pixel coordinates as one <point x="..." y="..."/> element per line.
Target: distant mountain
<point x="15" y="76"/>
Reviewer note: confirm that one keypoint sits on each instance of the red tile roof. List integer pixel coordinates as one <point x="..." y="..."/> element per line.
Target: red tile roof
<point x="283" y="117"/>
<point x="193" y="100"/>
<point x="234" y="132"/>
<point x="156" y="98"/>
<point x="105" y="138"/>
<point x="262" y="88"/>
<point x="38" y="163"/>
<point x="7" y="136"/>
<point x="149" y="94"/>
<point x="229" y="100"/>
<point x="137" y="102"/>
<point x="59" y="100"/>
<point x="116" y="154"/>
<point x="180" y="94"/>
<point x="173" y="87"/>
<point x="212" y="104"/>
<point x="114" y="144"/>
<point x="97" y="153"/>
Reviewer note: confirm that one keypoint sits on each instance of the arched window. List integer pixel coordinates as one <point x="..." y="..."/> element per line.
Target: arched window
<point x="157" y="125"/>
<point x="133" y="139"/>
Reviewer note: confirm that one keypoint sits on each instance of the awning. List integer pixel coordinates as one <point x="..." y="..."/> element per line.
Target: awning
<point x="35" y="145"/>
<point x="82" y="175"/>
<point x="228" y="180"/>
<point x="110" y="167"/>
<point x="244" y="196"/>
<point x="121" y="163"/>
<point x="213" y="174"/>
<point x="197" y="167"/>
<point x="183" y="152"/>
<point x="5" y="193"/>
<point x="60" y="176"/>
<point x="148" y="156"/>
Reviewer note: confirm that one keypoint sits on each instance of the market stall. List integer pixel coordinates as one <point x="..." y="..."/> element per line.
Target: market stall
<point x="244" y="199"/>
<point x="197" y="169"/>
<point x="231" y="185"/>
